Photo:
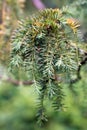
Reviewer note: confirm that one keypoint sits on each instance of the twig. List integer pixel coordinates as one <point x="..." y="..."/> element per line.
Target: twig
<point x="17" y="82"/>
<point x="38" y="4"/>
<point x="82" y="63"/>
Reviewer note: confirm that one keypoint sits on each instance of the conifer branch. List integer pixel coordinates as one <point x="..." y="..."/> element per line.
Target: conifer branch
<point x="45" y="46"/>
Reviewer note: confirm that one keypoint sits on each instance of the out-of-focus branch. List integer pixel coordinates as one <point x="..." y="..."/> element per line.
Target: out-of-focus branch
<point x="38" y="4"/>
<point x="16" y="82"/>
<point x="82" y="63"/>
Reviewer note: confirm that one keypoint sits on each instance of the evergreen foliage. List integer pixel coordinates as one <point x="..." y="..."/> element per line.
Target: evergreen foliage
<point x="45" y="45"/>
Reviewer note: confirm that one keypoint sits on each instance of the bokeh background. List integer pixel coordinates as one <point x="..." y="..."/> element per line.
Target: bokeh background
<point x="18" y="103"/>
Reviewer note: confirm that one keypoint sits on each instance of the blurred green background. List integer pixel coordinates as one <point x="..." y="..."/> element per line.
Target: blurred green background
<point x="18" y="105"/>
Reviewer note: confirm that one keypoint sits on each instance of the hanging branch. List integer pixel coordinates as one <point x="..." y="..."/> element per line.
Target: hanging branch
<point x="46" y="47"/>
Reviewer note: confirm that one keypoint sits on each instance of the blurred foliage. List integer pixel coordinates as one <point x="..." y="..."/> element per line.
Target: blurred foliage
<point x="18" y="104"/>
<point x="9" y="14"/>
<point x="18" y="108"/>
